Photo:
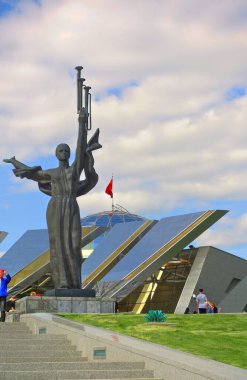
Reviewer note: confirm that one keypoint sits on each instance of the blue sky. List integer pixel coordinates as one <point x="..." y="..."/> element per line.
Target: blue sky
<point x="169" y="90"/>
<point x="6" y="7"/>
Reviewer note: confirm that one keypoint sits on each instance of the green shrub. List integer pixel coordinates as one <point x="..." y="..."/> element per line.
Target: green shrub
<point x="155" y="316"/>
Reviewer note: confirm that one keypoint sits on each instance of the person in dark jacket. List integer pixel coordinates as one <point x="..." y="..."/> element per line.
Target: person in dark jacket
<point x="4" y="280"/>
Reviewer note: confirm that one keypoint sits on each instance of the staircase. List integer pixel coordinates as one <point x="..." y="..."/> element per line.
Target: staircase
<point x="25" y="356"/>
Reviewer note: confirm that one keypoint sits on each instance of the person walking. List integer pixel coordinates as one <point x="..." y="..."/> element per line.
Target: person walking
<point x="5" y="278"/>
<point x="201" y="301"/>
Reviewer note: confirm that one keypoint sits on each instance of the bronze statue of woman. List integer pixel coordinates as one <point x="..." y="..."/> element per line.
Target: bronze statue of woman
<point x="63" y="216"/>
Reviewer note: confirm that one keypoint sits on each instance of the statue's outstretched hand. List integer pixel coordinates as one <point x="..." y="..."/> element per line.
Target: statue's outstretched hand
<point x="83" y="115"/>
<point x="9" y="160"/>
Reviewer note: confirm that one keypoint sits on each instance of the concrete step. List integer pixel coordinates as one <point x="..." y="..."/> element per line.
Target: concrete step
<point x="49" y="354"/>
<point x="36" y="344"/>
<point x="52" y="357"/>
<point x="21" y="335"/>
<point x="13" y="332"/>
<point x="13" y="326"/>
<point x="33" y="337"/>
<point x="35" y="349"/>
<point x="44" y="359"/>
<point x="77" y="374"/>
<point x="16" y="334"/>
<point x="37" y="366"/>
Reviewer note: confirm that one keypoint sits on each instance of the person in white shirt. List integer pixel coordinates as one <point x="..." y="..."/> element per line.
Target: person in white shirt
<point x="201" y="301"/>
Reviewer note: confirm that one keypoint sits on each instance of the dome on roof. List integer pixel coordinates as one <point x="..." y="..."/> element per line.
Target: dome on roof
<point x="110" y="218"/>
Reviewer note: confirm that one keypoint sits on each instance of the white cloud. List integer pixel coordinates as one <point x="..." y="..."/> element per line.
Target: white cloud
<point x="230" y="232"/>
<point x="170" y="139"/>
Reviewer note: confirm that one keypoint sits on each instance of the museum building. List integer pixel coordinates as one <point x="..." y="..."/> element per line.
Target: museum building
<point x="143" y="264"/>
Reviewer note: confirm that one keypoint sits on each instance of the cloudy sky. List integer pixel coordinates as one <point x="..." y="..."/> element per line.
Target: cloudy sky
<point x="169" y="91"/>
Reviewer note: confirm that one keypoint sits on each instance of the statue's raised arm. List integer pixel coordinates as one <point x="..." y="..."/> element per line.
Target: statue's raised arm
<point x="81" y="147"/>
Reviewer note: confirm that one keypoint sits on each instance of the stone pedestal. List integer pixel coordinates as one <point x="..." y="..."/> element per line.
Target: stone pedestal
<point x="52" y="304"/>
<point x="14" y="316"/>
<point x="70" y="293"/>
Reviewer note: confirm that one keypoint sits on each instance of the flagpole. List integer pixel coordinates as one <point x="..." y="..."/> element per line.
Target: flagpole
<point x="112" y="202"/>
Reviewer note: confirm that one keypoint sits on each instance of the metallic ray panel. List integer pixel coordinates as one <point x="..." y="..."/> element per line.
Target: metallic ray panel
<point x="39" y="264"/>
<point x="90" y="233"/>
<point x="31" y="245"/>
<point x="160" y="235"/>
<point x="117" y="242"/>
<point x="3" y="235"/>
<point x="166" y="238"/>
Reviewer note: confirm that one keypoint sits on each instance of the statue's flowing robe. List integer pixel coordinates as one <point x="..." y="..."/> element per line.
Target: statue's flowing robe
<point x="63" y="217"/>
<point x="64" y="227"/>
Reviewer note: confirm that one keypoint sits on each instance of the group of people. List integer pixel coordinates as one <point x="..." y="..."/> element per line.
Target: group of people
<point x="204" y="306"/>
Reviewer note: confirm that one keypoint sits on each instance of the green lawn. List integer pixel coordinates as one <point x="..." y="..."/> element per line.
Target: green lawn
<point x="215" y="336"/>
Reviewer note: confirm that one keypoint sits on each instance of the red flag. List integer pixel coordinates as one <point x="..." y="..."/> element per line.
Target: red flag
<point x="108" y="189"/>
